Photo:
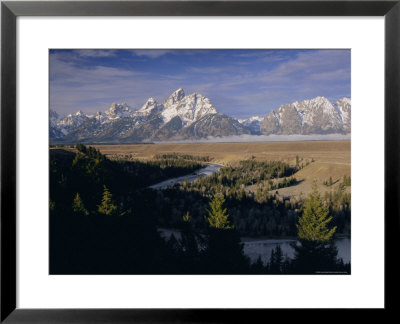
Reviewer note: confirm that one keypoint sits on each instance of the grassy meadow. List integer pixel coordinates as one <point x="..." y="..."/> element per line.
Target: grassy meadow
<point x="330" y="158"/>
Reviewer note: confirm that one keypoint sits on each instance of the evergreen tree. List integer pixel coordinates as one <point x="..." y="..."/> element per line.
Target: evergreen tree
<point x="286" y="265"/>
<point x="316" y="251"/>
<point x="186" y="217"/>
<point x="217" y="214"/>
<point x="78" y="206"/>
<point x="189" y="246"/>
<point x="81" y="148"/>
<point x="276" y="261"/>
<point x="297" y="162"/>
<point x="107" y="206"/>
<point x="313" y="225"/>
<point x="188" y="239"/>
<point x="258" y="266"/>
<point x="313" y="257"/>
<point x="224" y="250"/>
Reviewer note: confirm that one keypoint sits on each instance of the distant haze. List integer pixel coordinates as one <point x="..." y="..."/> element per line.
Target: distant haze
<point x="239" y="83"/>
<point x="267" y="138"/>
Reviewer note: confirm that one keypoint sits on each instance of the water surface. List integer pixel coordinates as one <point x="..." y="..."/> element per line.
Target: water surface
<point x="203" y="172"/>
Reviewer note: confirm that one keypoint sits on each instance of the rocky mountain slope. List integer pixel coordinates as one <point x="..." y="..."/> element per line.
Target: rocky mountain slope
<point x="180" y="116"/>
<point x="193" y="117"/>
<point x="253" y="123"/>
<point x="315" y="116"/>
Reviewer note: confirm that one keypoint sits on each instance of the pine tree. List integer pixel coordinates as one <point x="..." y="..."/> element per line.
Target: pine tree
<point x="258" y="266"/>
<point x="78" y="206"/>
<point x="223" y="249"/>
<point x="317" y="251"/>
<point x="107" y="206"/>
<point x="278" y="259"/>
<point x="186" y="217"/>
<point x="189" y="243"/>
<point x="81" y="148"/>
<point x="217" y="214"/>
<point x="313" y="225"/>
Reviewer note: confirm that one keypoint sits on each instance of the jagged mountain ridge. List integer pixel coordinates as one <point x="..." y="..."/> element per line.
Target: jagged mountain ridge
<point x="193" y="116"/>
<point x="180" y="116"/>
<point x="315" y="116"/>
<point x="253" y="123"/>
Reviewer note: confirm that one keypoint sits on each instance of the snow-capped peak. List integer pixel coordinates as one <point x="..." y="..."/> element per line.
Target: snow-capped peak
<point x="72" y="121"/>
<point x="313" y="116"/>
<point x="253" y="123"/>
<point x="251" y="119"/>
<point x="118" y="111"/>
<point x="54" y="118"/>
<point x="309" y="110"/>
<point x="99" y="116"/>
<point x="150" y="107"/>
<point x="344" y="107"/>
<point x="176" y="96"/>
<point x="344" y="100"/>
<point x="189" y="108"/>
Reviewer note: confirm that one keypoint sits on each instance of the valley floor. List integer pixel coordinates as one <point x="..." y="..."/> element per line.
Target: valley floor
<point x="325" y="159"/>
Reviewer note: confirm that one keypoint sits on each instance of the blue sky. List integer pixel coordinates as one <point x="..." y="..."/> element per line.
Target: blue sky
<point x="239" y="83"/>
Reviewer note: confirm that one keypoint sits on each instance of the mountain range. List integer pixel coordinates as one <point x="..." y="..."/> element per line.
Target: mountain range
<point x="193" y="116"/>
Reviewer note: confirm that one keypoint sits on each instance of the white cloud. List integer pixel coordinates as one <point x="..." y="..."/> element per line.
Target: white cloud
<point x="151" y="53"/>
<point x="234" y="90"/>
<point x="95" y="53"/>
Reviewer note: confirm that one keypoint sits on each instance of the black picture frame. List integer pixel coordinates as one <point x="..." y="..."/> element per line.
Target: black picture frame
<point x="10" y="10"/>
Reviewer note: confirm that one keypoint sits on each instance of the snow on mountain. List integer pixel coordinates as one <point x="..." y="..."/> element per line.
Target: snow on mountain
<point x="193" y="116"/>
<point x="118" y="111"/>
<point x="176" y="96"/>
<point x="54" y="131"/>
<point x="250" y="120"/>
<point x="253" y="123"/>
<point x="99" y="116"/>
<point x="152" y="120"/>
<point x="314" y="116"/>
<point x="71" y="121"/>
<point x="150" y="107"/>
<point x="214" y="125"/>
<point x="189" y="108"/>
<point x="344" y="106"/>
<point x="54" y="118"/>
<point x="318" y="113"/>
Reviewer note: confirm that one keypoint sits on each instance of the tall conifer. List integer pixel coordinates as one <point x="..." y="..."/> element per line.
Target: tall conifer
<point x="78" y="206"/>
<point x="217" y="214"/>
<point x="107" y="206"/>
<point x="313" y="225"/>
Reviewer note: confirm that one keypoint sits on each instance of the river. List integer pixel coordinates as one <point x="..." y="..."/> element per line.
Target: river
<point x="203" y="172"/>
<point x="254" y="248"/>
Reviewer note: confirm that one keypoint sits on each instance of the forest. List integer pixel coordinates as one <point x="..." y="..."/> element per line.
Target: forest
<point x="104" y="218"/>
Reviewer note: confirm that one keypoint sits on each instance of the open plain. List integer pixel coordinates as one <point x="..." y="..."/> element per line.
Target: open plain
<point x="321" y="159"/>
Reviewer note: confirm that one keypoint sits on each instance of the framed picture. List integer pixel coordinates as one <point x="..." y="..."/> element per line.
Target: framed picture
<point x="159" y="151"/>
